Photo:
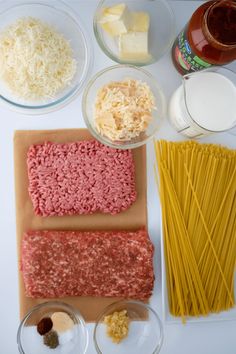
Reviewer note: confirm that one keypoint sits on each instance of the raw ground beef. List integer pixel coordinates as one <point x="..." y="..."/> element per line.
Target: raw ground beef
<point x="80" y="178"/>
<point x="96" y="263"/>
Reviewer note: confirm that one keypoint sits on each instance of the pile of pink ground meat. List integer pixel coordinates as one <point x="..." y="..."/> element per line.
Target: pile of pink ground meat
<point x="80" y="178"/>
<point x="95" y="263"/>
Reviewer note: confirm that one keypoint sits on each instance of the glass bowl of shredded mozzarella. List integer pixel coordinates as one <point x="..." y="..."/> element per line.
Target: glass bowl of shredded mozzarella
<point x="45" y="56"/>
<point x="123" y="106"/>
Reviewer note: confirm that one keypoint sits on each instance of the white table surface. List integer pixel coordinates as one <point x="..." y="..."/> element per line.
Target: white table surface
<point x="198" y="338"/>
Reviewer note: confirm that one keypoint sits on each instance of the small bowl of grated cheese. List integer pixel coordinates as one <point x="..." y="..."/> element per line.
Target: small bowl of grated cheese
<point x="123" y="106"/>
<point x="45" y="56"/>
<point x="128" y="327"/>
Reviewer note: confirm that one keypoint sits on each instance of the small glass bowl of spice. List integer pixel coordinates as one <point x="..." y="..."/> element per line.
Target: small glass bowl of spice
<point x="52" y="327"/>
<point x="128" y="326"/>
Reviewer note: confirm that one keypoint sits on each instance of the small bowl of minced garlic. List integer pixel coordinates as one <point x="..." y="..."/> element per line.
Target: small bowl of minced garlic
<point x="53" y="327"/>
<point x="134" y="32"/>
<point x="128" y="326"/>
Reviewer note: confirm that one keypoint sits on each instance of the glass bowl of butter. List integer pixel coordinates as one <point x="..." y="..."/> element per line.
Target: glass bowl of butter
<point x="134" y="32"/>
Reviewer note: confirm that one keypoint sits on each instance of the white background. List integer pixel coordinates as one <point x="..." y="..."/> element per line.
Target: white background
<point x="198" y="338"/>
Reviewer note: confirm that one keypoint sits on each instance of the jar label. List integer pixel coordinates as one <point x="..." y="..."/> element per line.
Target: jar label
<point x="185" y="56"/>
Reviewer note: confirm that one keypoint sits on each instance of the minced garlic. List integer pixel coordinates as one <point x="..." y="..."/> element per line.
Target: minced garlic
<point x="117" y="325"/>
<point x="123" y="109"/>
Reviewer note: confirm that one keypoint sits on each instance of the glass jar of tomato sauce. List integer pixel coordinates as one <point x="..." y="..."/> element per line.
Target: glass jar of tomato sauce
<point x="208" y="39"/>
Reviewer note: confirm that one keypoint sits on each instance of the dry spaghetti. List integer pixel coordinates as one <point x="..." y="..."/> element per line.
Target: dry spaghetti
<point x="197" y="186"/>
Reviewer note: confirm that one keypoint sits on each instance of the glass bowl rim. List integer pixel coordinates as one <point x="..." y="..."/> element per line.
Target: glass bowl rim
<point x="77" y="87"/>
<point x="115" y="58"/>
<point x="88" y="87"/>
<point x="49" y="304"/>
<point x="134" y="302"/>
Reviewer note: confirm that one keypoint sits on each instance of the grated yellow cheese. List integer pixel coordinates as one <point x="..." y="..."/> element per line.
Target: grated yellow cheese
<point x="123" y="109"/>
<point x="36" y="61"/>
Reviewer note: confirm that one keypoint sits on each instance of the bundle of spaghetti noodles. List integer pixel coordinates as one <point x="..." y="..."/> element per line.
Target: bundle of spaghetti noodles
<point x="197" y="187"/>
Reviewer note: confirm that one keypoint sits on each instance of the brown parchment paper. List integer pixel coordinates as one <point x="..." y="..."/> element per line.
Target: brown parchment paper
<point x="133" y="218"/>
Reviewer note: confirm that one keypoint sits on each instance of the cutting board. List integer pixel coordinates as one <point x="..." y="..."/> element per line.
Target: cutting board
<point x="131" y="219"/>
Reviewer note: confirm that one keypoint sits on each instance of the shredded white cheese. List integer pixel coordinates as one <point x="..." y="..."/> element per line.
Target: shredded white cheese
<point x="123" y="109"/>
<point x="36" y="62"/>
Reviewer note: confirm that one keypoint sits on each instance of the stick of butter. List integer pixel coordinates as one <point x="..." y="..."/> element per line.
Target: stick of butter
<point x="116" y="20"/>
<point x="134" y="45"/>
<point x="140" y="22"/>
